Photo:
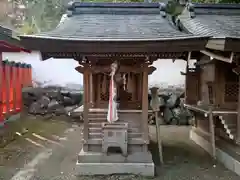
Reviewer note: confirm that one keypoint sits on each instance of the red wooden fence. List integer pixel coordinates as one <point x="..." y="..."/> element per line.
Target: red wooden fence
<point x="13" y="78"/>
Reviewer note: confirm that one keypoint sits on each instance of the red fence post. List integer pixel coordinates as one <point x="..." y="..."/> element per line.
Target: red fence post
<point x="4" y="89"/>
<point x="18" y="87"/>
<point x="29" y="74"/>
<point x="24" y="75"/>
<point x="15" y="80"/>
<point x="12" y="87"/>
<point x="1" y="90"/>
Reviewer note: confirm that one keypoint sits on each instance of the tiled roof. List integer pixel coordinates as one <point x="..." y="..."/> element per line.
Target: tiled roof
<point x="115" y="21"/>
<point x="217" y="20"/>
<point x="8" y="35"/>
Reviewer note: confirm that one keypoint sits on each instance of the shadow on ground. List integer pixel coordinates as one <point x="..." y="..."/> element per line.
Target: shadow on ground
<point x="183" y="159"/>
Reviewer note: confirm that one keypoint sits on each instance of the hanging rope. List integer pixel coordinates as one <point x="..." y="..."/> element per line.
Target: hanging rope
<point x="112" y="107"/>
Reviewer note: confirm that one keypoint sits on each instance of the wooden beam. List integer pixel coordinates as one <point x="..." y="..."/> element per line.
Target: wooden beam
<point x="122" y="68"/>
<point x="216" y="44"/>
<point x="218" y="57"/>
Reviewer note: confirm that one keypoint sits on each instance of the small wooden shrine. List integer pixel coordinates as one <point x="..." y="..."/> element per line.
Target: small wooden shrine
<point x="115" y="45"/>
<point x="212" y="87"/>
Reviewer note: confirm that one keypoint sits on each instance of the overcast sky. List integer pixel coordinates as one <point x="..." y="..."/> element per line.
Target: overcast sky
<point x="61" y="71"/>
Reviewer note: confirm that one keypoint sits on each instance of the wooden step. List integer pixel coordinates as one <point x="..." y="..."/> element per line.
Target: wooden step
<point x="229" y="123"/>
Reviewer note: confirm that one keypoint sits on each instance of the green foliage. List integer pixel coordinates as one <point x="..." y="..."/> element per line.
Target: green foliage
<point x="174" y="8"/>
<point x="44" y="14"/>
<point x="216" y="1"/>
<point x="28" y="29"/>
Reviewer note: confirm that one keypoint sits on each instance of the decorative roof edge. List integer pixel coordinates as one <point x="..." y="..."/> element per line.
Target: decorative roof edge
<point x="113" y="40"/>
<point x="73" y="6"/>
<point x="224" y="6"/>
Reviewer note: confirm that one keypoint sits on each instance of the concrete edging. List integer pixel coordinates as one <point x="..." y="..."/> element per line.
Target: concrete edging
<point x="227" y="160"/>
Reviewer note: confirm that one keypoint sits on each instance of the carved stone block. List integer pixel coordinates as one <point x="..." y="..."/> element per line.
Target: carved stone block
<point x="115" y="135"/>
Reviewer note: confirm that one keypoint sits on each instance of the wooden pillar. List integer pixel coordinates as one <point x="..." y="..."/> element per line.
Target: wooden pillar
<point x="91" y="89"/>
<point x="186" y="79"/>
<point x="145" y="103"/>
<point x="86" y="108"/>
<point x="238" y="118"/>
<point x="1" y="105"/>
<point x="140" y="79"/>
<point x="212" y="133"/>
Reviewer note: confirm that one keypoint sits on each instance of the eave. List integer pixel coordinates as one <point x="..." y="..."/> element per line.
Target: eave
<point x="232" y="44"/>
<point x="216" y="44"/>
<point x="54" y="45"/>
<point x="6" y="47"/>
<point x="224" y="44"/>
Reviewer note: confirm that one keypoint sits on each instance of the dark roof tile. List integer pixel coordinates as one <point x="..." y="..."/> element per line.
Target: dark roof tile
<point x="218" y="20"/>
<point x="115" y="21"/>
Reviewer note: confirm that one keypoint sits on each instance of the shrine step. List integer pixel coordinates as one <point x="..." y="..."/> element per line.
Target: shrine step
<point x="94" y="124"/>
<point x="98" y="141"/>
<point x="229" y="123"/>
<point x="99" y="130"/>
<point x="92" y="135"/>
<point x="137" y="147"/>
<point x="133" y="157"/>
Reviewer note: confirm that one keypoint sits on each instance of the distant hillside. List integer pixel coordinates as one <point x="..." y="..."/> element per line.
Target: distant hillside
<point x="73" y="86"/>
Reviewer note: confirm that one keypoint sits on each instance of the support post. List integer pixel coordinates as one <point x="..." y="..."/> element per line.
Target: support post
<point x="86" y="108"/>
<point x="91" y="89"/>
<point x="1" y="103"/>
<point x="186" y="78"/>
<point x="212" y="133"/>
<point x="158" y="131"/>
<point x="238" y="118"/>
<point x="145" y="104"/>
<point x="155" y="103"/>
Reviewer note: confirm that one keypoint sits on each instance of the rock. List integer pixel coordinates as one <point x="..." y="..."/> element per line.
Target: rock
<point x="44" y="101"/>
<point x="49" y="100"/>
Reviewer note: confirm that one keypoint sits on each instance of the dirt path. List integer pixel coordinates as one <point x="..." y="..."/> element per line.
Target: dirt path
<point x="25" y="139"/>
<point x="183" y="160"/>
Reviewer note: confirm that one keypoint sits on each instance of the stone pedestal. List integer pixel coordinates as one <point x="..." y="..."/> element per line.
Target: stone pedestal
<point x="134" y="157"/>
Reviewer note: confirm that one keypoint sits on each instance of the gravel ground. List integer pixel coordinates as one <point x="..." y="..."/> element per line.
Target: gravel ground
<point x="20" y="150"/>
<point x="184" y="160"/>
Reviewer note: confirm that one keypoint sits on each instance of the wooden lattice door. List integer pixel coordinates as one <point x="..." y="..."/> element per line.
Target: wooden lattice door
<point x="192" y="87"/>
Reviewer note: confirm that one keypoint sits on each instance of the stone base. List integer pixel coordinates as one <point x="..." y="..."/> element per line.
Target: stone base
<point x="97" y="163"/>
<point x="226" y="159"/>
<point x="144" y="169"/>
<point x="11" y="118"/>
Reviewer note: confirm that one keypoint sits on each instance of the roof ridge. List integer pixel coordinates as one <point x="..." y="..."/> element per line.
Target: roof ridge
<point x="77" y="4"/>
<point x="115" y="8"/>
<point x="216" y="6"/>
